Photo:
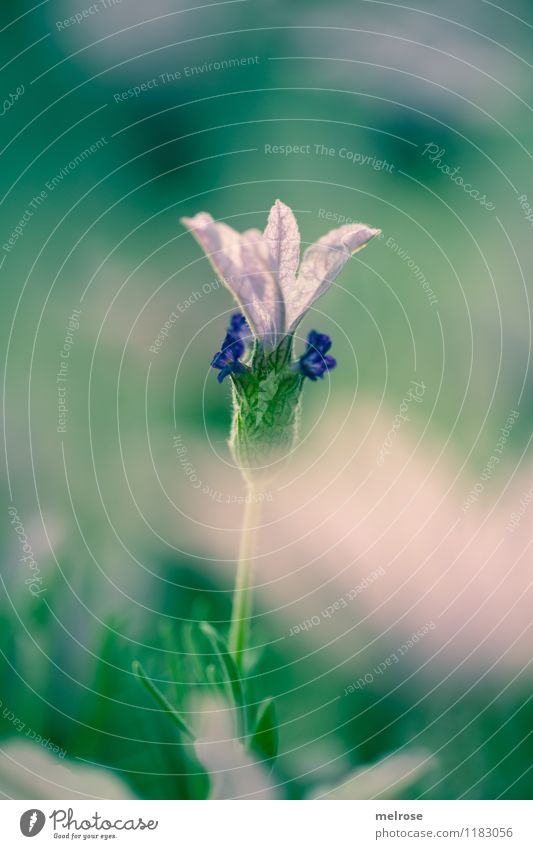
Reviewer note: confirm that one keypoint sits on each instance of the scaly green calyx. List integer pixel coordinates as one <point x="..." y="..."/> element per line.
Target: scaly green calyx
<point x="266" y="406"/>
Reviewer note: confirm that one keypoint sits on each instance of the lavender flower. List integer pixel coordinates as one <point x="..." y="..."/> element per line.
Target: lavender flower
<point x="263" y="270"/>
<point x="274" y="290"/>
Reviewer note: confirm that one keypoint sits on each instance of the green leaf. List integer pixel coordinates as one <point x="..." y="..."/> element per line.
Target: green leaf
<point x="230" y="673"/>
<point x="191" y="651"/>
<point x="162" y="700"/>
<point x="211" y="674"/>
<point x="264" y="739"/>
<point x="168" y="638"/>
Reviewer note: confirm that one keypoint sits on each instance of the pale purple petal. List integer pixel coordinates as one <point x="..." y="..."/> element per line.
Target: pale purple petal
<point x="244" y="264"/>
<point x="261" y="269"/>
<point x="322" y="262"/>
<point x="283" y="239"/>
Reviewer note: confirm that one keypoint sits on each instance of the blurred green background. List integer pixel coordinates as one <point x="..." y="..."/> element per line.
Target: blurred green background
<point x="129" y="548"/>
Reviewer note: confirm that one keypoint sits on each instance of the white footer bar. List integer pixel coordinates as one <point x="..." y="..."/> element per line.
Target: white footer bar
<point x="268" y="824"/>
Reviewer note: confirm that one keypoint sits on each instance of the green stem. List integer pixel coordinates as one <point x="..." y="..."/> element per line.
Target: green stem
<point x="242" y="596"/>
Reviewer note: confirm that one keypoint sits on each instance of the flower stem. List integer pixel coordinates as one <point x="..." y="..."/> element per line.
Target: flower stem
<point x="242" y="596"/>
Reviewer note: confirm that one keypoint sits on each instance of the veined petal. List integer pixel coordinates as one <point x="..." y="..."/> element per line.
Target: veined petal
<point x="322" y="262"/>
<point x="283" y="239"/>
<point x="243" y="263"/>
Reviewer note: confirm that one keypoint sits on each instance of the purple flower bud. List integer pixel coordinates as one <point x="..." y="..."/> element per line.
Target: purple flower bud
<point x="315" y="360"/>
<point x="233" y="347"/>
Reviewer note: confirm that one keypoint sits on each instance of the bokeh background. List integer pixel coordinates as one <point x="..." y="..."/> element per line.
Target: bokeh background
<point x="114" y="125"/>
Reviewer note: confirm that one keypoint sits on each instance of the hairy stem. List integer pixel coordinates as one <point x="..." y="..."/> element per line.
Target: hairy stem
<point x="242" y="596"/>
